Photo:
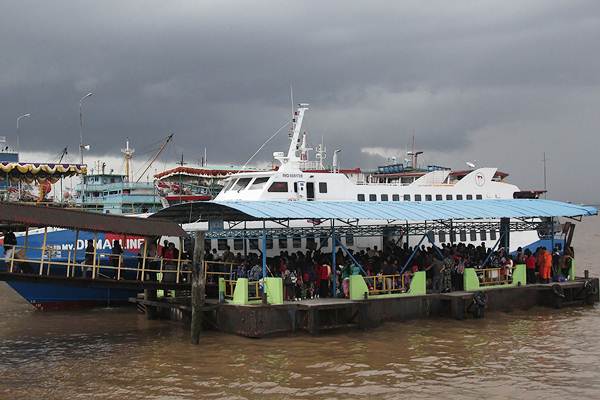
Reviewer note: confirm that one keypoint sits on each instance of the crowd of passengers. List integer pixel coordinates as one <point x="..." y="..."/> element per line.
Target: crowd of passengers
<point x="309" y="274"/>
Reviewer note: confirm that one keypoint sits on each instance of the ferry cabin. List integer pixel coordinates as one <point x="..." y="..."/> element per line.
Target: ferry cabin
<point x="114" y="194"/>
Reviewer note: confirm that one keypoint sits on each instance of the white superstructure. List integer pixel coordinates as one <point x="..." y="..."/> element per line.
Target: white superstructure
<point x="299" y="179"/>
<point x="294" y="181"/>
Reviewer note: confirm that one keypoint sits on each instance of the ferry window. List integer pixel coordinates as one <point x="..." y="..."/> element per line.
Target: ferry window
<point x="310" y="242"/>
<point x="229" y="184"/>
<point x="473" y="235"/>
<point x="253" y="244"/>
<point x="269" y="242"/>
<point x="259" y="183"/>
<point x="280" y="187"/>
<point x="372" y="197"/>
<point x="238" y="244"/>
<point x="438" y="197"/>
<point x="221" y="244"/>
<point x="322" y="187"/>
<point x="324" y="240"/>
<point x="448" y="197"/>
<point x="207" y="244"/>
<point x="463" y="235"/>
<point x="469" y="197"/>
<point x="453" y="236"/>
<point x="483" y="234"/>
<point x="360" y="197"/>
<point x="395" y="197"/>
<point x="296" y="242"/>
<point x="282" y="242"/>
<point x="479" y="197"/>
<point x="442" y="236"/>
<point x="417" y="197"/>
<point x="349" y="239"/>
<point x="295" y="187"/>
<point x="407" y="197"/>
<point x="241" y="184"/>
<point x="459" y="197"/>
<point x="428" y="197"/>
<point x="384" y="197"/>
<point x="492" y="234"/>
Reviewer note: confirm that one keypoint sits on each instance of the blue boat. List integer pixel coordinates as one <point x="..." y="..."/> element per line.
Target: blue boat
<point x="65" y="246"/>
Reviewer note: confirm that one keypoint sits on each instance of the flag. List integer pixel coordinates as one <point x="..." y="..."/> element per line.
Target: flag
<point x="2" y="139"/>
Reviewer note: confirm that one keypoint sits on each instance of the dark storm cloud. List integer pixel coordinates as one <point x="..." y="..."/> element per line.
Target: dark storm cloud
<point x="461" y="76"/>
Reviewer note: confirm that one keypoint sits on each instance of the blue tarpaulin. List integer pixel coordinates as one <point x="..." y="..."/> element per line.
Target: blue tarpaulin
<point x="380" y="211"/>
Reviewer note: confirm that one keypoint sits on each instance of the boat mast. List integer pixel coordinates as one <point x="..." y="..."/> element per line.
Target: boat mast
<point x="128" y="154"/>
<point x="162" y="147"/>
<point x="292" y="155"/>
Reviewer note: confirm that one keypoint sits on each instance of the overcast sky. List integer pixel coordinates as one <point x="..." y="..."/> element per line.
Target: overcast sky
<point x="499" y="82"/>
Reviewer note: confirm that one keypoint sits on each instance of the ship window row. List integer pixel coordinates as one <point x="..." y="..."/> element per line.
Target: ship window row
<point x="283" y="242"/>
<point x="418" y="197"/>
<point x="260" y="182"/>
<point x="473" y="235"/>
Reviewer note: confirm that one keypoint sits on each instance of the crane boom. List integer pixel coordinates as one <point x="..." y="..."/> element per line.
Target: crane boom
<point x="162" y="147"/>
<point x="63" y="154"/>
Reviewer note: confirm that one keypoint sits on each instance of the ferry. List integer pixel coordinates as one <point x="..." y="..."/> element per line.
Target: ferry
<point x="297" y="178"/>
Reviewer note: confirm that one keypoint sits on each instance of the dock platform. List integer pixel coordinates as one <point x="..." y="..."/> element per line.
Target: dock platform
<point x="316" y="316"/>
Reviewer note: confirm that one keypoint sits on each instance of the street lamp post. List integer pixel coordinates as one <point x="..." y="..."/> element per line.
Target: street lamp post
<point x="81" y="145"/>
<point x="18" y="126"/>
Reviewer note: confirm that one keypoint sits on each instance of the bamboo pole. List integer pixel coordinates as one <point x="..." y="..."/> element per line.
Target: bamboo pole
<point x="144" y="256"/>
<point x="44" y="251"/>
<point x="75" y="253"/>
<point x="198" y="287"/>
<point x="179" y="259"/>
<point x="120" y="260"/>
<point x="94" y="271"/>
<point x="12" y="258"/>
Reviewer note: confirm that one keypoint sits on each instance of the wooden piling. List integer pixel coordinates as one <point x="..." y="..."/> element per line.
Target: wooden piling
<point x="198" y="287"/>
<point x="151" y="311"/>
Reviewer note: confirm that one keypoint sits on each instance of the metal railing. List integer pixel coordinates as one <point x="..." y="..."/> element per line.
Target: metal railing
<point x="495" y="276"/>
<point x="97" y="265"/>
<point x="387" y="284"/>
<point x="213" y="270"/>
<point x="253" y="289"/>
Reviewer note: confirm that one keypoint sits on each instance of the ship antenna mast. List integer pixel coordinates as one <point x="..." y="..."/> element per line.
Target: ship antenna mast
<point x="545" y="186"/>
<point x="128" y="154"/>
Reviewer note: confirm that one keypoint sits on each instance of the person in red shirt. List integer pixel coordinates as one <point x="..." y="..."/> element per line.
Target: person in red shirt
<point x="530" y="266"/>
<point x="324" y="274"/>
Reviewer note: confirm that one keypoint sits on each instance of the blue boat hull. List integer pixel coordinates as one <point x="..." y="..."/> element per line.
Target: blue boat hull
<point x="53" y="296"/>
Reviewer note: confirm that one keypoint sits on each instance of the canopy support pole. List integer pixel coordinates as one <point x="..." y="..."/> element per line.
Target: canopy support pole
<point x="407" y="263"/>
<point x="264" y="264"/>
<point x="333" y="259"/>
<point x="487" y="258"/>
<point x="345" y="249"/>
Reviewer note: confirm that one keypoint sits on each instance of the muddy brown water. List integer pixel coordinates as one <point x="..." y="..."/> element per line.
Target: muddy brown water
<point x="116" y="353"/>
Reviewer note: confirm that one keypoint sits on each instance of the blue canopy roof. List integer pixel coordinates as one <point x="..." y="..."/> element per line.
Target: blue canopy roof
<point x="404" y="210"/>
